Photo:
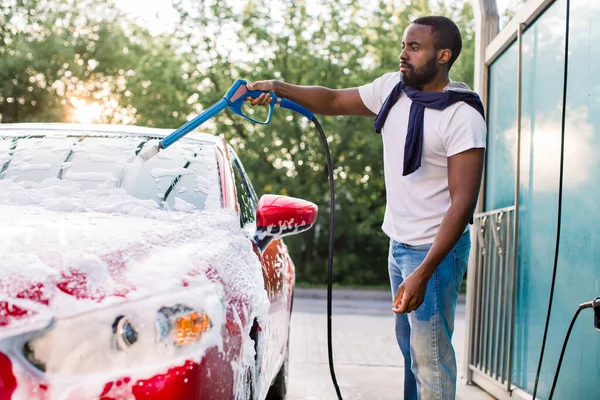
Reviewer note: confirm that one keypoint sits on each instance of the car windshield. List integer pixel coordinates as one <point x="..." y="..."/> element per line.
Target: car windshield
<point x="183" y="177"/>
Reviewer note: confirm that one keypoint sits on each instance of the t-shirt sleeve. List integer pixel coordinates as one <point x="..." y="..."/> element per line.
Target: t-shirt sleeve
<point x="466" y="130"/>
<point x="374" y="94"/>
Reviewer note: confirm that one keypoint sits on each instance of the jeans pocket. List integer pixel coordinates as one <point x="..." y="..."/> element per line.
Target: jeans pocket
<point x="421" y="247"/>
<point x="461" y="262"/>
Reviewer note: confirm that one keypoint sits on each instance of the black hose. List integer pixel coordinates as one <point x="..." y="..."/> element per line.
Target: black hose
<point x="330" y="257"/>
<point x="560" y="197"/>
<point x="562" y="352"/>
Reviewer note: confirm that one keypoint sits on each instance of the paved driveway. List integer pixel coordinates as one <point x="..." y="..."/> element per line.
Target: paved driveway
<point x="368" y="362"/>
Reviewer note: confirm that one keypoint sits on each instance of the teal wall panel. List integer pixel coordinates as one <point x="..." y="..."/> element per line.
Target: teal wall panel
<point x="578" y="271"/>
<point x="502" y="122"/>
<point x="541" y="119"/>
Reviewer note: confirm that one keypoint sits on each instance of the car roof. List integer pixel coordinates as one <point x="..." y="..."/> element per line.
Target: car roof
<point x="98" y="129"/>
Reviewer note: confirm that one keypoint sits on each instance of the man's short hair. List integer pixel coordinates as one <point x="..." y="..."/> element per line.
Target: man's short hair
<point x="446" y="35"/>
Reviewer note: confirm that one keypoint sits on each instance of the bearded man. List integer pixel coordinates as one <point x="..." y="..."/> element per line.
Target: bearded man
<point x="434" y="137"/>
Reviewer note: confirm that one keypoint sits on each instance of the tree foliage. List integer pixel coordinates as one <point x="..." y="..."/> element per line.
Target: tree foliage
<point x="59" y="57"/>
<point x="86" y="51"/>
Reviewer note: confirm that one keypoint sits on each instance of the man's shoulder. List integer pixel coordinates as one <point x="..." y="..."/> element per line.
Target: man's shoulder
<point x="461" y="109"/>
<point x="373" y="94"/>
<point x="460" y="113"/>
<point x="395" y="75"/>
<point x="460" y="118"/>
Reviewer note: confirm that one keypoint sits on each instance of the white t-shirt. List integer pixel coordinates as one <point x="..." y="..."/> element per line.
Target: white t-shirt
<point x="417" y="203"/>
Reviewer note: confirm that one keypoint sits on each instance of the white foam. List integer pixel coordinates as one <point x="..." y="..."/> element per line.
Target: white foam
<point x="161" y="172"/>
<point x="99" y="158"/>
<point x="127" y="249"/>
<point x="26" y="166"/>
<point x="12" y="264"/>
<point x="90" y="176"/>
<point x="183" y="206"/>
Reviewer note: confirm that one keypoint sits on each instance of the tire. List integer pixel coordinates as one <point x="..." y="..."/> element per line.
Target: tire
<point x="278" y="389"/>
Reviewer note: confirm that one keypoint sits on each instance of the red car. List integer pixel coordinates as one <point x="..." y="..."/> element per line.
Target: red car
<point x="123" y="279"/>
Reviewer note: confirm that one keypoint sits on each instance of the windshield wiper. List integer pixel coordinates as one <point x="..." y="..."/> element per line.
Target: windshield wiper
<point x="176" y="180"/>
<point x="11" y="152"/>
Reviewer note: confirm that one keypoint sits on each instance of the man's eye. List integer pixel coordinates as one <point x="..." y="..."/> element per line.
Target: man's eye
<point x="415" y="48"/>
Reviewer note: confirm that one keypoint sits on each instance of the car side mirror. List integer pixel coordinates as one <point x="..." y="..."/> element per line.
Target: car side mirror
<point x="279" y="216"/>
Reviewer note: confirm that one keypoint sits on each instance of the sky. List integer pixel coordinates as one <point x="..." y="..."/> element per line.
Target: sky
<point x="158" y="14"/>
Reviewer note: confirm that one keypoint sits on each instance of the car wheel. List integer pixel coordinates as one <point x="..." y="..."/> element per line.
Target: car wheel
<point x="278" y="389"/>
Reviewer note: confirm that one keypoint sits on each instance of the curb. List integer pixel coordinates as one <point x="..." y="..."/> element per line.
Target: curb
<point x="309" y="293"/>
<point x="354" y="294"/>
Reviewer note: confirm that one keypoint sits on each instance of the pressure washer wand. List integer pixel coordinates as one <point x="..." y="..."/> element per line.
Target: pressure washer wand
<point x="185" y="129"/>
<point x="234" y="99"/>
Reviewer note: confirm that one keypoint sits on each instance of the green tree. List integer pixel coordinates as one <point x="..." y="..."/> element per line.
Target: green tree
<point x="61" y="58"/>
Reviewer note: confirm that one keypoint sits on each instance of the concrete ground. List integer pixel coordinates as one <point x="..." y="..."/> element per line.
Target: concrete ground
<point x="368" y="362"/>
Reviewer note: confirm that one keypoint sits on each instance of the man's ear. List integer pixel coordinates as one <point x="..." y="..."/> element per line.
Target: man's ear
<point x="444" y="56"/>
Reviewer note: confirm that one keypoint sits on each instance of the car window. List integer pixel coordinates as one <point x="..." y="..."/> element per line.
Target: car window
<point x="34" y="158"/>
<point x="187" y="171"/>
<point x="185" y="175"/>
<point x="246" y="196"/>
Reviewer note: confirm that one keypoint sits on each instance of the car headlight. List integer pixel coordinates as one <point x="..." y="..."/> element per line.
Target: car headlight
<point x="135" y="334"/>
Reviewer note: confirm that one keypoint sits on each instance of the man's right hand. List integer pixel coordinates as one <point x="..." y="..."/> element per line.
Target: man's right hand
<point x="264" y="86"/>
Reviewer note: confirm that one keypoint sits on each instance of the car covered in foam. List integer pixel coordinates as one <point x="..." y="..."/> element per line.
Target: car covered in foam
<point x="124" y="279"/>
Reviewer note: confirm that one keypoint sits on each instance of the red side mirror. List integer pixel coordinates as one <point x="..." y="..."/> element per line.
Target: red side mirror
<point x="279" y="216"/>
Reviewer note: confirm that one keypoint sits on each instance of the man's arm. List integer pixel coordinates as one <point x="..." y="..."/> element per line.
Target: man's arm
<point x="464" y="178"/>
<point x="318" y="99"/>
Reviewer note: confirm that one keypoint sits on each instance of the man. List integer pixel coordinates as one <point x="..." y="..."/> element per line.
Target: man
<point x="433" y="140"/>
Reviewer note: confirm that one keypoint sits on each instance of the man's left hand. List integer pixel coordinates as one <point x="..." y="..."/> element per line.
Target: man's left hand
<point x="411" y="294"/>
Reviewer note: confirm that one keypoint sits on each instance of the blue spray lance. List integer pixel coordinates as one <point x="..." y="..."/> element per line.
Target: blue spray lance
<point x="234" y="99"/>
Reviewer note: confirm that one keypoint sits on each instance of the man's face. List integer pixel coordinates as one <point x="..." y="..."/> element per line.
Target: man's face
<point x="418" y="59"/>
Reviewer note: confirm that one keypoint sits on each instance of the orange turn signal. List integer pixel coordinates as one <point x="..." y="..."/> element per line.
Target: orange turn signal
<point x="189" y="328"/>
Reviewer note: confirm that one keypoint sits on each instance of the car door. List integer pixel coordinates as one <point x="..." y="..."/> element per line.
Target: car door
<point x="278" y="274"/>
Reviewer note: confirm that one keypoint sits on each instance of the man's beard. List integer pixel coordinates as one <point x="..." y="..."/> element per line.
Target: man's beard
<point x="422" y="76"/>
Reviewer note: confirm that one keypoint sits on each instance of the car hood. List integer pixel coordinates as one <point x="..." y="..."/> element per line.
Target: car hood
<point x="60" y="263"/>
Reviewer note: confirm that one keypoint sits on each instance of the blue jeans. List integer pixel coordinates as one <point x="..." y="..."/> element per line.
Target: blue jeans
<point x="425" y="335"/>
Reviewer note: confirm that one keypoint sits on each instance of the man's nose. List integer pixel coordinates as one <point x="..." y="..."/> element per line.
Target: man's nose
<point x="403" y="56"/>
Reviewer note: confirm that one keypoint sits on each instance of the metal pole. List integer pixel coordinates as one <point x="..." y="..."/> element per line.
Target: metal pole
<point x="487" y="27"/>
<point x="517" y="185"/>
<point x="500" y="291"/>
<point x="509" y="254"/>
<point x="489" y="265"/>
<point x="476" y="289"/>
<point x="496" y="265"/>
